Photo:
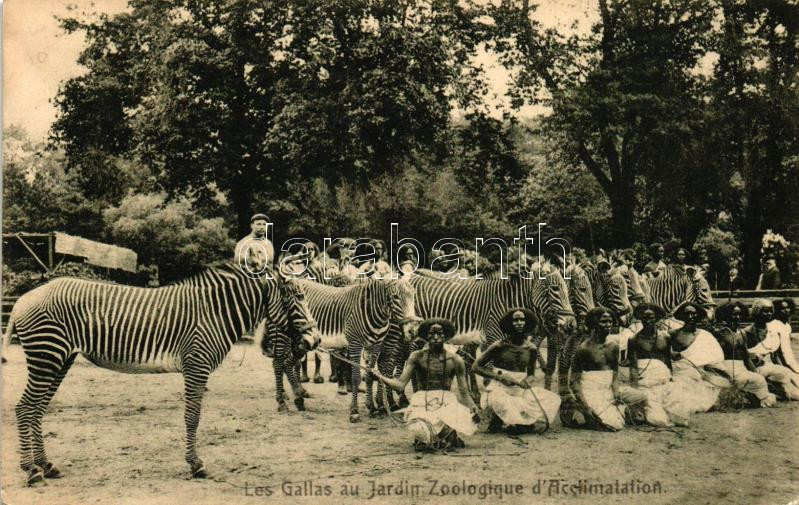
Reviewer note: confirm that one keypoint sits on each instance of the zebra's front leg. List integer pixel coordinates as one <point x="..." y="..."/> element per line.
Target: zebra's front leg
<point x="369" y="380"/>
<point x="385" y="364"/>
<point x="299" y="392"/>
<point x="566" y="362"/>
<point x="547" y="366"/>
<point x="354" y="354"/>
<point x="280" y="394"/>
<point x="195" y="378"/>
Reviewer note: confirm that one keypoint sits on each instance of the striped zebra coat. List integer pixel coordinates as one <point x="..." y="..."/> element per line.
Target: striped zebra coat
<point x="476" y="306"/>
<point x="373" y="316"/>
<point x="187" y="328"/>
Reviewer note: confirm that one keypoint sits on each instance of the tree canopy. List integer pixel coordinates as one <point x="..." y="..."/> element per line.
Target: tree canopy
<point x="672" y="121"/>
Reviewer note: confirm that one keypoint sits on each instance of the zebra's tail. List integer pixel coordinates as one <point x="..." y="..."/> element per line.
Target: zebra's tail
<point x="7" y="335"/>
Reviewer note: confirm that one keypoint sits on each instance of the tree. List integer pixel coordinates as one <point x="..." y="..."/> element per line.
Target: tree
<point x="39" y="196"/>
<point x="247" y="95"/>
<point x="626" y="99"/>
<point x="168" y="233"/>
<point x="756" y="103"/>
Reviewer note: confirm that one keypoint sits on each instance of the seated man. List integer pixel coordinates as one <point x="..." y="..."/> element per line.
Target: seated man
<point x="737" y="365"/>
<point x="435" y="416"/>
<point x="781" y="325"/>
<point x="510" y="397"/>
<point x="599" y="400"/>
<point x="763" y="344"/>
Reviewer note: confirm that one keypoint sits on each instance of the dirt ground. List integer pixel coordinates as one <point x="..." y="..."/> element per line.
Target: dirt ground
<point x="119" y="439"/>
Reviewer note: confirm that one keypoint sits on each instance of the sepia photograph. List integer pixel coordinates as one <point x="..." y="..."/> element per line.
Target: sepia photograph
<point x="400" y="252"/>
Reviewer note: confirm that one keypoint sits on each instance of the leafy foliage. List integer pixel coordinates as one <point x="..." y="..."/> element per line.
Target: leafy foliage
<point x="169" y="234"/>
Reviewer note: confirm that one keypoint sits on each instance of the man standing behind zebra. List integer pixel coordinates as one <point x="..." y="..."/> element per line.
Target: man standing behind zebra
<point x="254" y="253"/>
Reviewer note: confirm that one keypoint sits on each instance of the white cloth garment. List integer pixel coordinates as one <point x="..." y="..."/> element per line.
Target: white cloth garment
<point x="519" y="406"/>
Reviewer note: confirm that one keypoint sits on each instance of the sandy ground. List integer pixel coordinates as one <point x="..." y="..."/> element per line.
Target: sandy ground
<point x="119" y="439"/>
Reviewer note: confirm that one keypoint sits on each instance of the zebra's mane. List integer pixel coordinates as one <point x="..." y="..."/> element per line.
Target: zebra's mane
<point x="223" y="266"/>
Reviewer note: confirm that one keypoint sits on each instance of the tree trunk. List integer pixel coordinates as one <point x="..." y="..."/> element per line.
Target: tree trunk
<point x="241" y="196"/>
<point x="622" y="206"/>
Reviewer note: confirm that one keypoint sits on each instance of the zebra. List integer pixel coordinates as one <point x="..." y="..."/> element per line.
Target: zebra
<point x="377" y="316"/>
<point x="338" y="368"/>
<point x="476" y="306"/>
<point x="609" y="287"/>
<point x="672" y="288"/>
<point x="187" y="327"/>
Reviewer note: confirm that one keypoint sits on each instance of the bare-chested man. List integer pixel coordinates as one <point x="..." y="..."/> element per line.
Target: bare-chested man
<point x="738" y="366"/>
<point x="599" y="399"/>
<point x="436" y="416"/>
<point x="510" y="398"/>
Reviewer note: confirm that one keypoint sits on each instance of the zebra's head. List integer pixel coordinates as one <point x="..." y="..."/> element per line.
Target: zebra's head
<point x="581" y="294"/>
<point x="701" y="290"/>
<point x="403" y="307"/>
<point x="556" y="304"/>
<point x="614" y="289"/>
<point x="298" y="320"/>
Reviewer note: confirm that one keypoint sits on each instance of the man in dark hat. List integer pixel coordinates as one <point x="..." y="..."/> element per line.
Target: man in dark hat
<point x="436" y="416"/>
<point x="770" y="278"/>
<point x="255" y="252"/>
<point x="510" y="397"/>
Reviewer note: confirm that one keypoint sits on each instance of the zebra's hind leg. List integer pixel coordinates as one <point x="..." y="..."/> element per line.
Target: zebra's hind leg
<point x="317" y="376"/>
<point x="304" y="369"/>
<point x="354" y="353"/>
<point x="39" y="456"/>
<point x="195" y="377"/>
<point x="45" y="373"/>
<point x="280" y="394"/>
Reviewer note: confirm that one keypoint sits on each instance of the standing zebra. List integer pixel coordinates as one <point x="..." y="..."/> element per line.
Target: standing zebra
<point x="375" y="316"/>
<point x="187" y="327"/>
<point x="609" y="288"/>
<point x="476" y="306"/>
<point x="672" y="288"/>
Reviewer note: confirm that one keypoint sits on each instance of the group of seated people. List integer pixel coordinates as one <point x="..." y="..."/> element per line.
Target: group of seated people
<point x="667" y="370"/>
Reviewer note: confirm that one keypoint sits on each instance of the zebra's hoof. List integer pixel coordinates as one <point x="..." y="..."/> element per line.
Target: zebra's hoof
<point x="318" y="379"/>
<point x="403" y="402"/>
<point x="282" y="407"/>
<point x="342" y="390"/>
<point x="199" y="472"/>
<point x="377" y="414"/>
<point x="299" y="403"/>
<point x="304" y="378"/>
<point x="355" y="418"/>
<point x="35" y="475"/>
<point x="333" y="378"/>
<point x="51" y="471"/>
<point x="304" y="393"/>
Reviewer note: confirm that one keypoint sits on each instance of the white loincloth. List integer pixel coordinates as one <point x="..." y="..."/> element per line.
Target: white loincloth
<point x="596" y="389"/>
<point x="518" y="406"/>
<point x="440" y="409"/>
<point x="654" y="380"/>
